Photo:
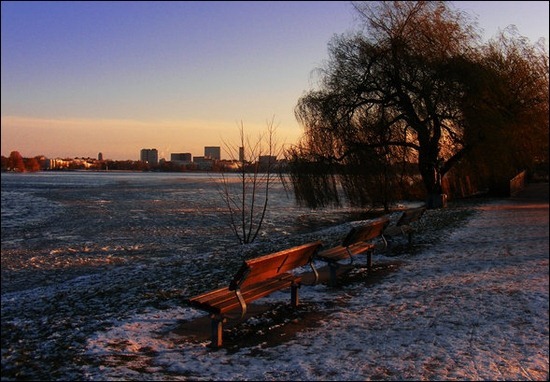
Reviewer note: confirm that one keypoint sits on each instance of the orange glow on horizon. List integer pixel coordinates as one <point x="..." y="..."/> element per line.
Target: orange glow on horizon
<point x="121" y="139"/>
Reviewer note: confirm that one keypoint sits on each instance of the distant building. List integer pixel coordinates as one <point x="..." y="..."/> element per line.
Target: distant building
<point x="265" y="160"/>
<point x="241" y="154"/>
<point x="181" y="158"/>
<point x="212" y="152"/>
<point x="56" y="164"/>
<point x="203" y="163"/>
<point x="229" y="165"/>
<point x="150" y="156"/>
<point x="100" y="156"/>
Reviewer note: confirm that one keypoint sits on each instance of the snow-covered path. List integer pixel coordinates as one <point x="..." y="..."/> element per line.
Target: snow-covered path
<point x="473" y="307"/>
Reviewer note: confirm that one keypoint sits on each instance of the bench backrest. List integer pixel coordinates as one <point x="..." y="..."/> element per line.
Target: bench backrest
<point x="366" y="232"/>
<point x="410" y="215"/>
<point x="269" y="266"/>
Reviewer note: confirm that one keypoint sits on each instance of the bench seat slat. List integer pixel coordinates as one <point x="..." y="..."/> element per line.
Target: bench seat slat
<point x="273" y="265"/>
<point x="410" y="216"/>
<point x="403" y="226"/>
<point x="225" y="300"/>
<point x="339" y="253"/>
<point x="398" y="230"/>
<point x="218" y="296"/>
<point x="208" y="296"/>
<point x="359" y="240"/>
<point x="261" y="290"/>
<point x="255" y="279"/>
<point x="406" y="219"/>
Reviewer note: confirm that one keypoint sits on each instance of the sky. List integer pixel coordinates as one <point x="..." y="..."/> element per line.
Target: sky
<point x="80" y="78"/>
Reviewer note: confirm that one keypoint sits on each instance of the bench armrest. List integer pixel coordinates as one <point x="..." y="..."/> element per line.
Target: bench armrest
<point x="241" y="301"/>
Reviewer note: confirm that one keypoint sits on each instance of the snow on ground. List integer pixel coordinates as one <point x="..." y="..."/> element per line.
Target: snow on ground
<point x="472" y="307"/>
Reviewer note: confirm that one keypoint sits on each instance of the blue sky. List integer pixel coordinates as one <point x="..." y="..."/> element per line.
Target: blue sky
<point x="79" y="78"/>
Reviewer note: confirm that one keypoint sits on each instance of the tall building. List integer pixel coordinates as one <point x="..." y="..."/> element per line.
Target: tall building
<point x="100" y="156"/>
<point x="241" y="154"/>
<point x="212" y="152"/>
<point x="150" y="156"/>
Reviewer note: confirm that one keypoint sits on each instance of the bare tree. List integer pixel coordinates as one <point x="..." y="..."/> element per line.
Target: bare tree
<point x="246" y="191"/>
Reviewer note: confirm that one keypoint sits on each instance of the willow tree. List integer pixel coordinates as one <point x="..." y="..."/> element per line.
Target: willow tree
<point x="508" y="130"/>
<point x="404" y="90"/>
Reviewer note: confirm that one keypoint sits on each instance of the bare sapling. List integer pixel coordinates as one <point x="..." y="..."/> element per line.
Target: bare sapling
<point x="245" y="191"/>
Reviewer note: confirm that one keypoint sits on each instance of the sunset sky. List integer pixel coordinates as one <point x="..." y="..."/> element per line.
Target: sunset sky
<point x="79" y="78"/>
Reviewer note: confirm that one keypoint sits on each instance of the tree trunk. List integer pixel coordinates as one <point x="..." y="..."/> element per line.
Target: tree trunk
<point x="431" y="176"/>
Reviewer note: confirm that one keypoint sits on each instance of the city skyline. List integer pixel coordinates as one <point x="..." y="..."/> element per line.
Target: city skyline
<point x="80" y="78"/>
<point x="102" y="156"/>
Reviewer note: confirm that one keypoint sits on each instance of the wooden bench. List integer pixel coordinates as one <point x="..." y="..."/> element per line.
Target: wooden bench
<point x="255" y="279"/>
<point x="403" y="225"/>
<point x="359" y="240"/>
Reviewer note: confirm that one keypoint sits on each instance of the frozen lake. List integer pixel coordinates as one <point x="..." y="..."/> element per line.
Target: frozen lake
<point x="82" y="250"/>
<point x="74" y="223"/>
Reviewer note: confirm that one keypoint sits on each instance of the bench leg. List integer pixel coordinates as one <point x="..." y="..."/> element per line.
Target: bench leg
<point x="294" y="301"/>
<point x="217" y="331"/>
<point x="332" y="269"/>
<point x="389" y="245"/>
<point x="369" y="260"/>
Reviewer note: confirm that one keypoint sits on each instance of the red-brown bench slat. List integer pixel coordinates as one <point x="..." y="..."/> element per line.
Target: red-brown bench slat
<point x="224" y="300"/>
<point x="256" y="278"/>
<point x="403" y="225"/>
<point x="357" y="241"/>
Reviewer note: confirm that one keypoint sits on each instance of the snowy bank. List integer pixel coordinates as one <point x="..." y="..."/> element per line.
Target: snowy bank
<point x="471" y="307"/>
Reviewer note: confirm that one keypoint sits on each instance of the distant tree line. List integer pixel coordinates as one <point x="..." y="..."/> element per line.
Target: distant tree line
<point x="17" y="163"/>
